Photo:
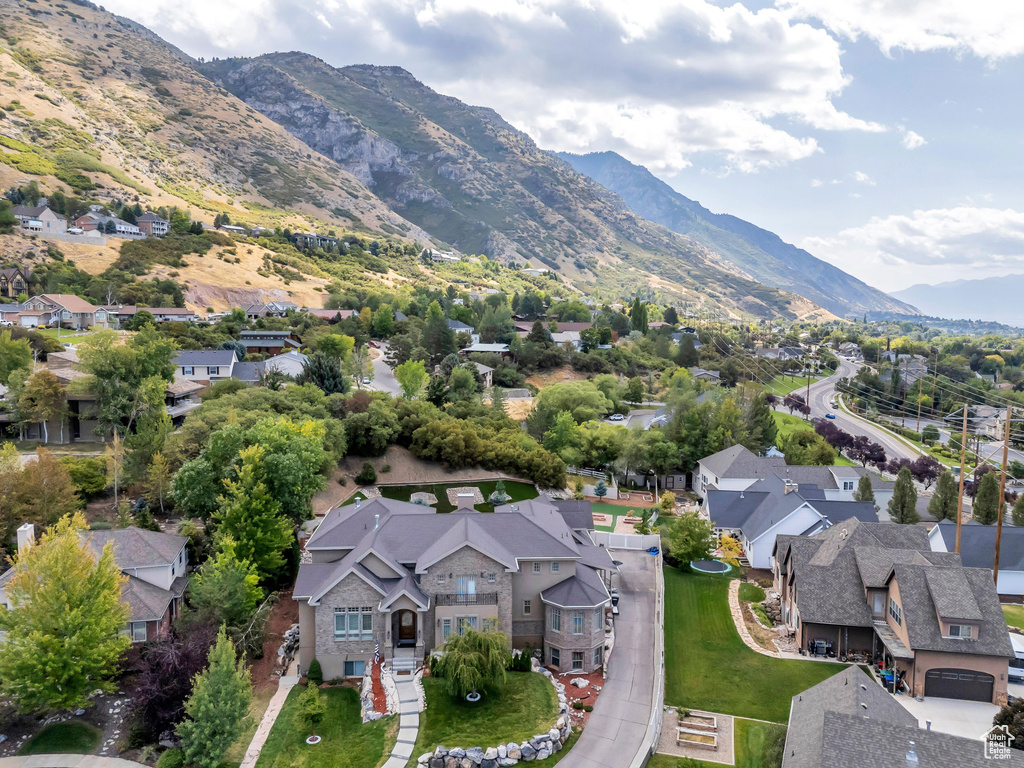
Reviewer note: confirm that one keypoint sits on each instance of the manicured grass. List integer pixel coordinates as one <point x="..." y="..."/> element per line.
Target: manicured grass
<point x="347" y="742"/>
<point x="260" y="701"/>
<point x="515" y="490"/>
<point x="781" y="385"/>
<point x="788" y="424"/>
<point x="1014" y="615"/>
<point x="750" y="737"/>
<point x="73" y="736"/>
<point x="707" y="666"/>
<point x="525" y="706"/>
<point x="751" y="593"/>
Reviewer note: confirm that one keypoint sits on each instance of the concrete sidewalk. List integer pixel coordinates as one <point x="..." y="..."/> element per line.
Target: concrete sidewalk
<point x="67" y="761"/>
<point x="284" y="687"/>
<point x="617" y="728"/>
<point x="408" y="721"/>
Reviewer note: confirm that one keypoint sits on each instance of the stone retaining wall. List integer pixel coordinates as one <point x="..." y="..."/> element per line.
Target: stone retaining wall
<point x="540" y="747"/>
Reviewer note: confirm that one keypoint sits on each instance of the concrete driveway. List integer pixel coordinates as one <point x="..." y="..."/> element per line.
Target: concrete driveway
<point x="970" y="719"/>
<point x="617" y="726"/>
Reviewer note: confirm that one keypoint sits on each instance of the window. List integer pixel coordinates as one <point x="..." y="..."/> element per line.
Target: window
<point x="895" y="612"/>
<point x="355" y="668"/>
<point x="467" y="585"/>
<point x="536" y="567"/>
<point x="556" y="658"/>
<point x="597" y="656"/>
<point x="441" y="578"/>
<point x="138" y="631"/>
<point x="962" y="631"/>
<point x="527" y="608"/>
<point x="213" y="370"/>
<point x="187" y="370"/>
<point x="491" y="578"/>
<point x="489" y="624"/>
<point x="353" y="623"/>
<point x="577" y="660"/>
<point x="847" y="485"/>
<point x="556" y="620"/>
<point x="554" y="566"/>
<point x="462" y="623"/>
<point x="577" y="622"/>
<point x="598" y="619"/>
<point x="446" y="628"/>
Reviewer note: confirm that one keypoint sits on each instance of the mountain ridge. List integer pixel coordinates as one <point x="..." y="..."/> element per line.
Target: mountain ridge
<point x="987" y="298"/>
<point x="758" y="252"/>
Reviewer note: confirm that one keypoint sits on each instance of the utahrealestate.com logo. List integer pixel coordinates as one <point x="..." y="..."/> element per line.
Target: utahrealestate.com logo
<point x="998" y="742"/>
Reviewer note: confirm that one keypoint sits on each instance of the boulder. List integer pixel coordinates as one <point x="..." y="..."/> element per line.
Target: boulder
<point x="425" y="757"/>
<point x="476" y="754"/>
<point x="502" y="751"/>
<point x="543" y="754"/>
<point x="560" y="723"/>
<point x="553" y="734"/>
<point x="437" y="762"/>
<point x="440" y="751"/>
<point x="528" y="751"/>
<point x="556" y="745"/>
<point x="489" y="763"/>
<point x="493" y="754"/>
<point x="580" y="682"/>
<point x="506" y="761"/>
<point x="467" y="763"/>
<point x="457" y="753"/>
<point x="512" y="750"/>
<point x="451" y="762"/>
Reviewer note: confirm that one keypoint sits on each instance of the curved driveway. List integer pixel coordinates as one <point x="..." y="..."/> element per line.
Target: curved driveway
<point x="822" y="394"/>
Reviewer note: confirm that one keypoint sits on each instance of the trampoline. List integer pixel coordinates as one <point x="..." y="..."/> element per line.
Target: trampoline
<point x="710" y="566"/>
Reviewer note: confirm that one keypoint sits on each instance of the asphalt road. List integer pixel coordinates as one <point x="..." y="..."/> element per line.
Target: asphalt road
<point x="823" y="392"/>
<point x="616" y="728"/>
<point x="383" y="377"/>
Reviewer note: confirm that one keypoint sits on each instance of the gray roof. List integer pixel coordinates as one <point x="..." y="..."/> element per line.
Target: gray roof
<point x="578" y="515"/>
<point x="137" y="547"/>
<point x="584" y="590"/>
<point x="849" y="721"/>
<point x="205" y="357"/>
<point x="736" y="461"/>
<point x="247" y="371"/>
<point x="147" y="602"/>
<point x="458" y="325"/>
<point x="978" y="545"/>
<point x="739" y="462"/>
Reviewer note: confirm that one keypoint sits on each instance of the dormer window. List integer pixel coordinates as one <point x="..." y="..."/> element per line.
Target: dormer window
<point x="896" y="612"/>
<point x="961" y="631"/>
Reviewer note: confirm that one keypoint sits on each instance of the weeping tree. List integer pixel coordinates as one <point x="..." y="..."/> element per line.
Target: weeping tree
<point x="473" y="661"/>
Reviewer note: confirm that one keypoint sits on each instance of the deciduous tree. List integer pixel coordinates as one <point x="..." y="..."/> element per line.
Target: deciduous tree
<point x="691" y="538"/>
<point x="412" y="377"/>
<point x="43" y="400"/>
<point x="473" y="661"/>
<point x="14" y="354"/>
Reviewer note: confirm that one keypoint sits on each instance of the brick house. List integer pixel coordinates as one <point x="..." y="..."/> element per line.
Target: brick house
<point x="878" y="590"/>
<point x="152" y="225"/>
<point x="397" y="577"/>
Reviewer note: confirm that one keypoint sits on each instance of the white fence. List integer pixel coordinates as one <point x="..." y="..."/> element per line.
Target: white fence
<point x="626" y="540"/>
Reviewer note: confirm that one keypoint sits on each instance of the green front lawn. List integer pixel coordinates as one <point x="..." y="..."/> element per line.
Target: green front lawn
<point x="750" y="740"/>
<point x="783" y="385"/>
<point x="347" y="742"/>
<point x="1014" y="615"/>
<point x="788" y="423"/>
<point x="525" y="706"/>
<point x="73" y="737"/>
<point x="515" y="490"/>
<point x="707" y="666"/>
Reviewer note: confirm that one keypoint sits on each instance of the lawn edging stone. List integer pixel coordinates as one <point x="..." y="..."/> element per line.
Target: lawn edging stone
<point x="540" y="747"/>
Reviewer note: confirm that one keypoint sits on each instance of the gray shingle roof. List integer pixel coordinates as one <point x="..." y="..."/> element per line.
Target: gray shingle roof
<point x="137" y="547"/>
<point x="952" y="594"/>
<point x="205" y="357"/>
<point x="249" y="372"/>
<point x="147" y="602"/>
<point x="738" y="462"/>
<point x="584" y="590"/>
<point x="578" y="515"/>
<point x="978" y="545"/>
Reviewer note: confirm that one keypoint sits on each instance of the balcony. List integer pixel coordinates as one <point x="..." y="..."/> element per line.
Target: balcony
<point x="481" y="598"/>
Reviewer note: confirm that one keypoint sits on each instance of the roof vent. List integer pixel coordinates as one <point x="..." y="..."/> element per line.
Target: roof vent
<point x="912" y="755"/>
<point x="844" y="533"/>
<point x="376" y="522"/>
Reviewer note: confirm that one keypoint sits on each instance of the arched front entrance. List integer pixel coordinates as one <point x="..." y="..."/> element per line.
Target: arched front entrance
<point x="405" y="633"/>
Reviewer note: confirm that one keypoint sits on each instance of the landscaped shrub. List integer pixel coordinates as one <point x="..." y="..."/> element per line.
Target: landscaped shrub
<point x="911" y="434"/>
<point x="315" y="674"/>
<point x="367" y="475"/>
<point x="761" y="614"/>
<point x="520" y="662"/>
<point x="171" y="758"/>
<point x="581" y="706"/>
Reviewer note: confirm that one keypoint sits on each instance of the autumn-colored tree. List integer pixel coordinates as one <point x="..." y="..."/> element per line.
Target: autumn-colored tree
<point x="46" y="492"/>
<point x="43" y="400"/>
<point x="158" y="482"/>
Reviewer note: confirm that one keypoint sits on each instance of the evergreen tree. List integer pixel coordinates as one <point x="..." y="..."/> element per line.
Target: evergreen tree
<point x="761" y="428"/>
<point x="638" y="315"/>
<point x="498" y="400"/>
<point x="250" y="516"/>
<point x="671" y="316"/>
<point x="943" y="504"/>
<point x="225" y="591"/>
<point x="986" y="501"/>
<point x="438" y="338"/>
<point x="687" y="355"/>
<point x="437" y="391"/>
<point x="1018" y="511"/>
<point x="865" y="492"/>
<point x="218" y="708"/>
<point x="63" y="628"/>
<point x="324" y="371"/>
<point x="537" y="334"/>
<point x="601" y="489"/>
<point x="903" y="504"/>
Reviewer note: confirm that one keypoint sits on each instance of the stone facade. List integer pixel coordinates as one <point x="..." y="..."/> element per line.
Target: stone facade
<point x="565" y="641"/>
<point x="350" y="592"/>
<point x="442" y="578"/>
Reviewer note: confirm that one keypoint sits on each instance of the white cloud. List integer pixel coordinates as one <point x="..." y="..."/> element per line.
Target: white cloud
<point x="863" y="178"/>
<point x="910" y="139"/>
<point x="816" y="183"/>
<point x="661" y="81"/>
<point x="989" y="29"/>
<point x="928" y="246"/>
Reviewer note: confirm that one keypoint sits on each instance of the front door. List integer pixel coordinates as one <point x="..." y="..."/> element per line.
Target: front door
<point x="407" y="628"/>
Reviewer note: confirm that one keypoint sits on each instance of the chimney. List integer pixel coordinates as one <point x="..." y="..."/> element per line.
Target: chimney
<point x="912" y="755"/>
<point x="26" y="536"/>
<point x="789" y="486"/>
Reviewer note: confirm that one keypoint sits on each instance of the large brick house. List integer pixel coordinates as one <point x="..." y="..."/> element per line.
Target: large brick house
<point x="397" y="577"/>
<point x="878" y="590"/>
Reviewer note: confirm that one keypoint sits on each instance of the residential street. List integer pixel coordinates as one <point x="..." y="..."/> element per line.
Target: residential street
<point x="618" y="724"/>
<point x="383" y="377"/>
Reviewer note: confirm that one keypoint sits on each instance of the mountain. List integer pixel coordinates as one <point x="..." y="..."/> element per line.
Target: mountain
<point x="991" y="298"/>
<point x="756" y="252"/>
<point x="471" y="180"/>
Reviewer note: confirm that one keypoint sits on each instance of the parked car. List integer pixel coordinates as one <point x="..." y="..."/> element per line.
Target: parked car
<point x="616" y="417"/>
<point x="367" y="380"/>
<point x="374" y="344"/>
<point x="76" y="231"/>
<point x="1016" y="673"/>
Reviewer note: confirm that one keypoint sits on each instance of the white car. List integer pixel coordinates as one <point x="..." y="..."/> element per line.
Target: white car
<point x="367" y="380"/>
<point x="616" y="417"/>
<point x="76" y="231"/>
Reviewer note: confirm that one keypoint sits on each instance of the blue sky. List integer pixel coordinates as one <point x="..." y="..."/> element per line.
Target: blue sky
<point x="882" y="135"/>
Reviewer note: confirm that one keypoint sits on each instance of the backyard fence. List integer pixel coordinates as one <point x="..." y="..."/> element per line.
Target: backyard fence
<point x="634" y="541"/>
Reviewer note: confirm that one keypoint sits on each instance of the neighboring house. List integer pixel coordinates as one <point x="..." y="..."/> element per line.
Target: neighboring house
<point x="156" y="565"/>
<point x="978" y="550"/>
<point x="486" y="373"/>
<point x="269" y="309"/>
<point x="773" y="507"/>
<point x="62" y="308"/>
<point x="849" y="721"/>
<point x="206" y="366"/>
<point x="524" y="327"/>
<point x="985" y="420"/>
<point x="878" y="589"/>
<point x="780" y="353"/>
<point x="712" y="377"/>
<point x="289" y="363"/>
<point x="851" y="349"/>
<point x="268" y="342"/>
<point x="182" y="398"/>
<point x="333" y="315"/>
<point x="314" y="240"/>
<point x="122" y="313"/>
<point x="736" y="468"/>
<point x="152" y="225"/>
<point x="489" y="349"/>
<point x="396" y="577"/>
<point x="678" y="339"/>
<point x="443" y="257"/>
<point x="39" y="219"/>
<point x="14" y="282"/>
<point x="457" y="326"/>
<point x="98" y="221"/>
<point x="234" y="229"/>
<point x="535" y="271"/>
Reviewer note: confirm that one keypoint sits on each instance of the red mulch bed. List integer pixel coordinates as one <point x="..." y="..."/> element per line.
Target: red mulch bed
<point x="380" y="701"/>
<point x="282" y="616"/>
<point x="587" y="695"/>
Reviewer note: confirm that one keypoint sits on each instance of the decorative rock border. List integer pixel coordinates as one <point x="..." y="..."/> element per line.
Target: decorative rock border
<point x="370" y="712"/>
<point x="540" y="747"/>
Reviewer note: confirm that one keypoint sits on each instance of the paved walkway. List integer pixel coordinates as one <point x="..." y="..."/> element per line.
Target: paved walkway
<point x="736" y="609"/>
<point x="284" y="687"/>
<point x="617" y="728"/>
<point x="67" y="761"/>
<point x="408" y="721"/>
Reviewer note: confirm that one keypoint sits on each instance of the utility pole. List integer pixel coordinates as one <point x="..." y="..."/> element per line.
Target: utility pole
<point x="960" y="494"/>
<point x="1002" y="495"/>
<point x="807" y="399"/>
<point x="935" y="381"/>
<point x="920" y="391"/>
